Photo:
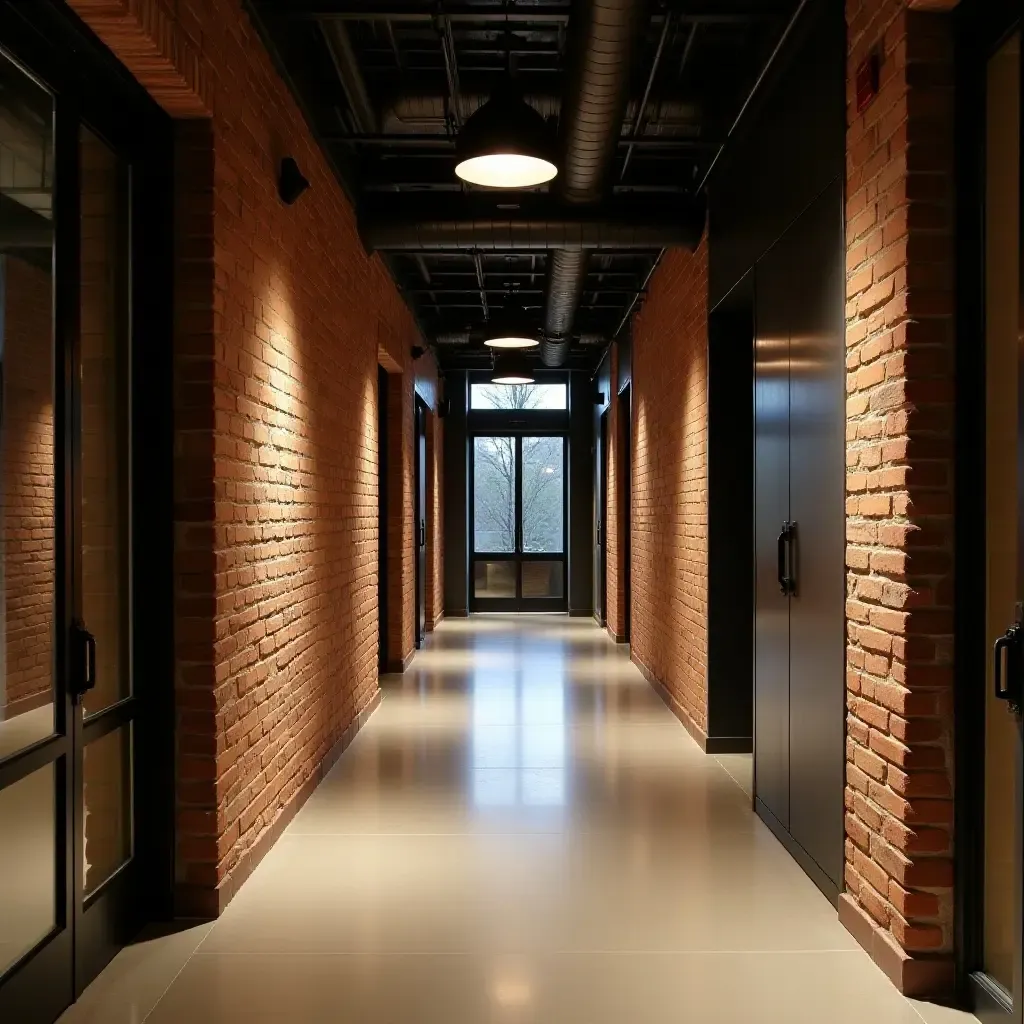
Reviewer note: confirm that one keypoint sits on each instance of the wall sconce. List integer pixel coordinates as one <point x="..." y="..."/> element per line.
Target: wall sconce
<point x="291" y="182"/>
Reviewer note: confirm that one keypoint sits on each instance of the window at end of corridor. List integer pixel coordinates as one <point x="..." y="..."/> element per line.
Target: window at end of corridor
<point x="518" y="397"/>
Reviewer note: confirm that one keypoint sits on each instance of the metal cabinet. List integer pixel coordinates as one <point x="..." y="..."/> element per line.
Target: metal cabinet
<point x="799" y="430"/>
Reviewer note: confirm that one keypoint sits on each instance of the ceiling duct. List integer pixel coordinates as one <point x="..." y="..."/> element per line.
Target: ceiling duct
<point x="425" y="113"/>
<point x="603" y="38"/>
<point x="574" y="234"/>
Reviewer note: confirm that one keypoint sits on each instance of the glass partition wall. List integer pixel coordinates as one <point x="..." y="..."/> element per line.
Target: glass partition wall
<point x="519" y="529"/>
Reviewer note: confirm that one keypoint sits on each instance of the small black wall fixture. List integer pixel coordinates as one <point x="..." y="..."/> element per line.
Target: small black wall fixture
<point x="291" y="182"/>
<point x="418" y="351"/>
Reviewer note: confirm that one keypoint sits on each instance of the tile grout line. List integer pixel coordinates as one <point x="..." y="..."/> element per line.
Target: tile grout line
<point x="177" y="974"/>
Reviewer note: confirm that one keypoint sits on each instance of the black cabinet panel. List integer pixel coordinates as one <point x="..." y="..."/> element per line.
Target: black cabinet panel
<point x="799" y="479"/>
<point x="771" y="510"/>
<point x="817" y="453"/>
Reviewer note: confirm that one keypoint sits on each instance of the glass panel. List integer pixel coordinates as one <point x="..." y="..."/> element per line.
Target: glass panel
<point x="494" y="579"/>
<point x="105" y="425"/>
<point x="518" y="397"/>
<point x="1001" y="300"/>
<point x="543" y="494"/>
<point x="494" y="494"/>
<point x="543" y="579"/>
<point x="107" y="800"/>
<point x="28" y="857"/>
<point x="26" y="411"/>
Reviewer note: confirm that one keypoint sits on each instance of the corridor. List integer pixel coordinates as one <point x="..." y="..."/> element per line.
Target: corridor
<point x="521" y="832"/>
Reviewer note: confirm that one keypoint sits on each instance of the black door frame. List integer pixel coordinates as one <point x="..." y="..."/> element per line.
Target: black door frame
<point x="601" y="533"/>
<point x="625" y="478"/>
<point x="519" y="603"/>
<point x="420" y="517"/>
<point x="90" y="87"/>
<point x="382" y="520"/>
<point x="981" y="27"/>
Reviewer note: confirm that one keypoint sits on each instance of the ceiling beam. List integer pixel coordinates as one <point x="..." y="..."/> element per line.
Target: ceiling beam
<point x="446" y="142"/>
<point x="707" y="12"/>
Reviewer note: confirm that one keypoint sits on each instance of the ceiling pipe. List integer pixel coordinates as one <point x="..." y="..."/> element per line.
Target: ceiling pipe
<point x="603" y="37"/>
<point x="346" y="65"/>
<point x="575" y="235"/>
<point x="425" y="113"/>
<point x="761" y="78"/>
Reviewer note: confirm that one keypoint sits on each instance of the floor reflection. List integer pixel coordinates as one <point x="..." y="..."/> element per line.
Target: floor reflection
<point x="521" y="832"/>
<point x="518" y="722"/>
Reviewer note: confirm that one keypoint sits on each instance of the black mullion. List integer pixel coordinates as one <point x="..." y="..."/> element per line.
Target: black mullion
<point x="565" y="519"/>
<point x="97" y="726"/>
<point x="66" y="319"/>
<point x="519" y="518"/>
<point x="22" y="764"/>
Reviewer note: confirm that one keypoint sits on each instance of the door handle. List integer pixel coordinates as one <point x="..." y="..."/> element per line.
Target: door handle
<point x="83" y="653"/>
<point x="787" y="583"/>
<point x="423" y="534"/>
<point x="1007" y="684"/>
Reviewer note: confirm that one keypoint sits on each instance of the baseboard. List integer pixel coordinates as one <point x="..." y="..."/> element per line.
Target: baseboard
<point x="438" y="619"/>
<point x="729" y="745"/>
<point x="457" y="613"/>
<point x="919" y="977"/>
<point x="618" y="638"/>
<point x="581" y="613"/>
<point x="23" y="705"/>
<point x="397" y="667"/>
<point x="194" y="902"/>
<point x="677" y="709"/>
<point x="811" y="868"/>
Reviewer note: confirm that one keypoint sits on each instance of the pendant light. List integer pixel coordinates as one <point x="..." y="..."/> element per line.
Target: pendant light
<point x="511" y="368"/>
<point x="511" y="328"/>
<point x="506" y="143"/>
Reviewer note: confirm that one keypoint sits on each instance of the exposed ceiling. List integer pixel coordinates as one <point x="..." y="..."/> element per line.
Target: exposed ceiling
<point x="385" y="85"/>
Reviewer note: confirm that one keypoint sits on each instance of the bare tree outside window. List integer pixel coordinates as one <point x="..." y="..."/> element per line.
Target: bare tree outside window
<point x="543" y="494"/>
<point x="518" y="397"/>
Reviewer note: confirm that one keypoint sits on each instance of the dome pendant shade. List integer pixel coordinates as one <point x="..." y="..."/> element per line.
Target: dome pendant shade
<point x="511" y="368"/>
<point x="511" y="328"/>
<point x="506" y="144"/>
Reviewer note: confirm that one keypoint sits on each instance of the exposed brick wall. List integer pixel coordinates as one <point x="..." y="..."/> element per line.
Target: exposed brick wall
<point x="281" y="321"/>
<point x="614" y="520"/>
<point x="26" y="455"/>
<point x="899" y="855"/>
<point x="670" y="483"/>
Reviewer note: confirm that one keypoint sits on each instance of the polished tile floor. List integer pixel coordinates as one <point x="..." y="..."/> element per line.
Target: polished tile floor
<point x="522" y="832"/>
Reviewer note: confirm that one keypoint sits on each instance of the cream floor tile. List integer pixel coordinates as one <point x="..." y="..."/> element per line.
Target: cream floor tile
<point x="595" y="988"/>
<point x="135" y="980"/>
<point x="522" y="832"/>
<point x="932" y="1014"/>
<point x="550" y="892"/>
<point x="741" y="770"/>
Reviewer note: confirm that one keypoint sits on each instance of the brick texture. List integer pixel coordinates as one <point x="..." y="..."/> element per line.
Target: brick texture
<point x="26" y="454"/>
<point x="281" y="320"/>
<point x="670" y="483"/>
<point x="899" y="487"/>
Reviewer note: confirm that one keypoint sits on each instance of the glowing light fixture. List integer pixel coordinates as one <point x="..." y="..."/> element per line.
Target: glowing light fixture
<point x="506" y="143"/>
<point x="511" y="368"/>
<point x="511" y="328"/>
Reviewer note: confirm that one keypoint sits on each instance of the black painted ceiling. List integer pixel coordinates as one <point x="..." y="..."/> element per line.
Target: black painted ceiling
<point x="385" y="85"/>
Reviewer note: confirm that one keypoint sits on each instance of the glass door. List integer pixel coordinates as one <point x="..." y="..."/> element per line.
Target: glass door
<point x="997" y="982"/>
<point x="519" y="524"/>
<point x="71" y="874"/>
<point x="37" y="752"/>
